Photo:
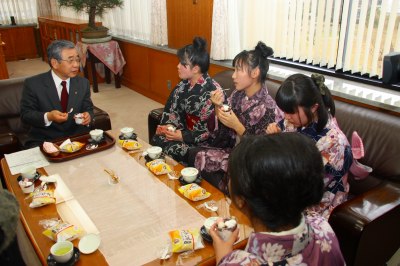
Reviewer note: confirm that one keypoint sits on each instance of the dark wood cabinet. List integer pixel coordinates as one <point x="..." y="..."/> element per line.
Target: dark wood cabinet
<point x="20" y="42"/>
<point x="3" y="65"/>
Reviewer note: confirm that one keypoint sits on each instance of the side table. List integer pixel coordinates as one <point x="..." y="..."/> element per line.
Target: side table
<point x="107" y="53"/>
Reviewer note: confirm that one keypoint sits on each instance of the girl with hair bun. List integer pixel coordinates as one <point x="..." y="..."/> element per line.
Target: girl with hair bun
<point x="184" y="120"/>
<point x="309" y="109"/>
<point x="251" y="109"/>
<point x="273" y="179"/>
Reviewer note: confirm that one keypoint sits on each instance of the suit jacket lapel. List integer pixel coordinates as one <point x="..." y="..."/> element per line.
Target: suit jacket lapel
<point x="51" y="90"/>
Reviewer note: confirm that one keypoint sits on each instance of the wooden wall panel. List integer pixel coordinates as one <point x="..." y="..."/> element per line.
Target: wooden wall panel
<point x="136" y="71"/>
<point x="187" y="19"/>
<point x="163" y="74"/>
<point x="3" y="65"/>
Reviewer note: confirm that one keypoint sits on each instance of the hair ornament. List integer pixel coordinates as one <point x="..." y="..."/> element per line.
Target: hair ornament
<point x="319" y="81"/>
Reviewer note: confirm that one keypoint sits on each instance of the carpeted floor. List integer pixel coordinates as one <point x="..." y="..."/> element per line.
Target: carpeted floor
<point x="125" y="106"/>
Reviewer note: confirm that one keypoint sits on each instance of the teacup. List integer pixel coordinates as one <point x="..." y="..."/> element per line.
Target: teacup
<point x="154" y="152"/>
<point x="127" y="132"/>
<point x="78" y="118"/>
<point x="189" y="174"/>
<point x="62" y="251"/>
<point x="28" y="172"/>
<point x="96" y="134"/>
<point x="210" y="222"/>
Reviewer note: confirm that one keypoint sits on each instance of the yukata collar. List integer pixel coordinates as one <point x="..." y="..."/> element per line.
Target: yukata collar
<point x="260" y="94"/>
<point x="201" y="81"/>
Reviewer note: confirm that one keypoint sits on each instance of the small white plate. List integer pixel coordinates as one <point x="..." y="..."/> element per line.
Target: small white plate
<point x="89" y="243"/>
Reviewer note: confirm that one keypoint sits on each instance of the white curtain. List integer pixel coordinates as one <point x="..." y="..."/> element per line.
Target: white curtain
<point x="132" y="20"/>
<point x="24" y="11"/>
<point x="158" y="29"/>
<point x="351" y="35"/>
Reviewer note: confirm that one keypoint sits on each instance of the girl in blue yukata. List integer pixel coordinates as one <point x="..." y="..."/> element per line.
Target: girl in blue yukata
<point x="310" y="110"/>
<point x="273" y="179"/>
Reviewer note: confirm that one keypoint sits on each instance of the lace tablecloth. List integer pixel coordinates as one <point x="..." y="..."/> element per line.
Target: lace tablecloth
<point x="134" y="216"/>
<point x="108" y="53"/>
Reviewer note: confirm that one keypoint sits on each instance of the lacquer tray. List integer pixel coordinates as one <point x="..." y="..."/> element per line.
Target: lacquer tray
<point x="107" y="142"/>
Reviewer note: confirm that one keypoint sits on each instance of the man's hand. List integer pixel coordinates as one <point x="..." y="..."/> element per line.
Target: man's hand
<point x="57" y="116"/>
<point x="86" y="118"/>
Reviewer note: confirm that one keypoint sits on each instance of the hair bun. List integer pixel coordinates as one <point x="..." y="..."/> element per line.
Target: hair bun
<point x="264" y="49"/>
<point x="199" y="44"/>
<point x="319" y="80"/>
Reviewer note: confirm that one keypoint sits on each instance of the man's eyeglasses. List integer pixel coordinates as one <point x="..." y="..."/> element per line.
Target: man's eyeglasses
<point x="71" y="60"/>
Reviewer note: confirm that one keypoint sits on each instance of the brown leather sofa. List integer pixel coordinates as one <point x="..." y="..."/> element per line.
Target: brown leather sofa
<point x="368" y="224"/>
<point x="12" y="131"/>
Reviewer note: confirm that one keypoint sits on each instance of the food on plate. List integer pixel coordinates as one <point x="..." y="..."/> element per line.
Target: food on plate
<point x="184" y="240"/>
<point x="68" y="146"/>
<point x="50" y="148"/>
<point x="158" y="167"/>
<point x="194" y="192"/>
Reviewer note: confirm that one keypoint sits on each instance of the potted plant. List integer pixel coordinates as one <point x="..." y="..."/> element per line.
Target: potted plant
<point x="93" y="8"/>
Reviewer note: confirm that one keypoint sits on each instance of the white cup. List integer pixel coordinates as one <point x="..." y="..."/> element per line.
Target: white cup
<point x="154" y="152"/>
<point x="189" y="174"/>
<point x="96" y="134"/>
<point x="62" y="251"/>
<point x="28" y="172"/>
<point x="127" y="132"/>
<point x="78" y="118"/>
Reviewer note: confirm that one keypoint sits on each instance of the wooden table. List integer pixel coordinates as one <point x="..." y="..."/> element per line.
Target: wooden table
<point x="31" y="217"/>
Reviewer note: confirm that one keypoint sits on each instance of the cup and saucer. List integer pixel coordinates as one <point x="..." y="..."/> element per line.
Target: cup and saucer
<point x="75" y="257"/>
<point x="153" y="153"/>
<point x="189" y="175"/>
<point x="29" y="172"/>
<point x="63" y="253"/>
<point x="127" y="133"/>
<point x="96" y="136"/>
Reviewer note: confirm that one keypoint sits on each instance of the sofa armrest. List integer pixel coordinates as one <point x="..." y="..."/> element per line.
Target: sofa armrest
<point x="101" y="119"/>
<point x="153" y="120"/>
<point x="367" y="226"/>
<point x="8" y="144"/>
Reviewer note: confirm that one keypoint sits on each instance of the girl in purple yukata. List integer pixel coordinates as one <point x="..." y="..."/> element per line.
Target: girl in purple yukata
<point x="273" y="179"/>
<point x="251" y="110"/>
<point x="310" y="110"/>
<point x="183" y="123"/>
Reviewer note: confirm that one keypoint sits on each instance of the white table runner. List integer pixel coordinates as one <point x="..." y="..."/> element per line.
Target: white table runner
<point x="134" y="216"/>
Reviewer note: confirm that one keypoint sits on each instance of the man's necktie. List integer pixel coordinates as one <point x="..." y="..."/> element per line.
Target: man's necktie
<point x="64" y="96"/>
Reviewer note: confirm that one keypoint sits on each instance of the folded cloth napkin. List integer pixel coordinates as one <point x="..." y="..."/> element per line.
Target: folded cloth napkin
<point x="359" y="170"/>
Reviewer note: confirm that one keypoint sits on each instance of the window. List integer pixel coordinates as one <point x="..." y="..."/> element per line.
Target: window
<point x="347" y="35"/>
<point x="24" y="11"/>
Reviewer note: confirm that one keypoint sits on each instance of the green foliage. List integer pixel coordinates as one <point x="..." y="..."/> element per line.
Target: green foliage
<point x="92" y="7"/>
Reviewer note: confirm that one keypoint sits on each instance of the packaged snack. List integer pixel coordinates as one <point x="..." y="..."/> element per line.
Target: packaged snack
<point x="129" y="144"/>
<point x="63" y="231"/>
<point x="194" y="192"/>
<point x="184" y="240"/>
<point x="158" y="167"/>
<point x="41" y="197"/>
<point x="68" y="146"/>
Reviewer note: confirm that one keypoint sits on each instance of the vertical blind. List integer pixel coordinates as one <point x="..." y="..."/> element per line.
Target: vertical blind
<point x="24" y="11"/>
<point x="348" y="35"/>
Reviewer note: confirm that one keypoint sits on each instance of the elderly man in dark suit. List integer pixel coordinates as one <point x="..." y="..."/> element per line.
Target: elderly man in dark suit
<point x="50" y="100"/>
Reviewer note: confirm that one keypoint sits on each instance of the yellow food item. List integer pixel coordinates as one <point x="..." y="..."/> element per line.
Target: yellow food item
<point x="72" y="147"/>
<point x="129" y="144"/>
<point x="42" y="197"/>
<point x="158" y="167"/>
<point x="63" y="232"/>
<point x="194" y="192"/>
<point x="62" y="251"/>
<point x="184" y="240"/>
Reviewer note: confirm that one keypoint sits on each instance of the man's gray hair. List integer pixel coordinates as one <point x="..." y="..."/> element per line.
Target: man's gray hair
<point x="55" y="48"/>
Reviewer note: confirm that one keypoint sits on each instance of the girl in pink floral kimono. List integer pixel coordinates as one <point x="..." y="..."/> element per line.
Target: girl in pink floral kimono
<point x="273" y="179"/>
<point x="251" y="109"/>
